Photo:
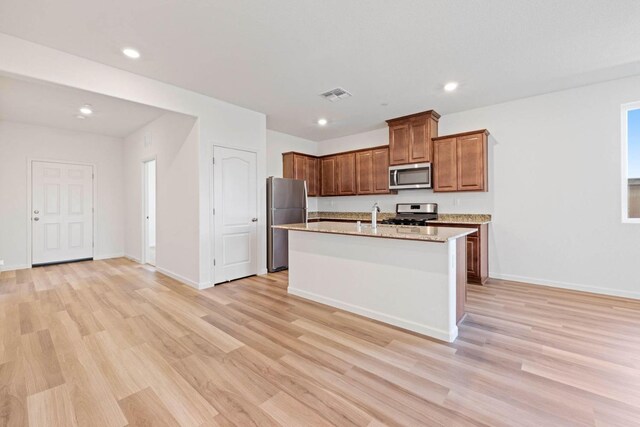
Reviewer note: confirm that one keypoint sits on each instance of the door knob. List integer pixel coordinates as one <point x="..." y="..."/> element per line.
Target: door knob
<point x="36" y="212"/>
<point x="254" y="219"/>
<point x="36" y="219"/>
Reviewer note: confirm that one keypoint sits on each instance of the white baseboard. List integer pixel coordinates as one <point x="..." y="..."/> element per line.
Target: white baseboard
<point x="14" y="267"/>
<point x="178" y="277"/>
<point x="440" y="334"/>
<point x="567" y="285"/>
<point x="132" y="258"/>
<point x="109" y="256"/>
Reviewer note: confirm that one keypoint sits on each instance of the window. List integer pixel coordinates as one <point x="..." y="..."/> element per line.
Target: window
<point x="631" y="162"/>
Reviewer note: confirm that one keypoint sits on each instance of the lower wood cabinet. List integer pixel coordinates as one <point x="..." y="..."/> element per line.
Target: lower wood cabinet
<point x="460" y="162"/>
<point x="477" y="251"/>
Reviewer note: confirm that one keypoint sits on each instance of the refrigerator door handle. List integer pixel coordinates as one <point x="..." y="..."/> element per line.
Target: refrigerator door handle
<point x="306" y="203"/>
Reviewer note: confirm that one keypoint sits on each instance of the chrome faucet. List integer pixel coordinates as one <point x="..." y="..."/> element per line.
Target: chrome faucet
<point x="374" y="215"/>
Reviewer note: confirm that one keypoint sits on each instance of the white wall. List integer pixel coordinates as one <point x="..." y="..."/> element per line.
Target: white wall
<point x="18" y="142"/>
<point x="554" y="188"/>
<point x="172" y="140"/>
<point x="219" y="123"/>
<point x="278" y="143"/>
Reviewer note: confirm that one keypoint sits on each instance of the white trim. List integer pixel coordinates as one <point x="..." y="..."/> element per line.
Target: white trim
<point x="448" y="336"/>
<point x="178" y="277"/>
<point x="132" y="258"/>
<point x="566" y="285"/>
<point x="109" y="256"/>
<point x="94" y="202"/>
<point x="15" y="267"/>
<point x="145" y="238"/>
<point x="624" y="110"/>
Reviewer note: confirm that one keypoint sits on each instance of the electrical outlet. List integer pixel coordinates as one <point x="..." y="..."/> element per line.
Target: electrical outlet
<point x="1" y="262"/>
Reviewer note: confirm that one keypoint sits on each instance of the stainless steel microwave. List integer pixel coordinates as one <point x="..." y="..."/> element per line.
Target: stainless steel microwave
<point x="404" y="177"/>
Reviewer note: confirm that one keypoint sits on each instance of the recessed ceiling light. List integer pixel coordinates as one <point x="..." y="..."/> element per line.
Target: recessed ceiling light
<point x="130" y="52"/>
<point x="86" y="109"/>
<point x="322" y="122"/>
<point x="80" y="116"/>
<point x="451" y="86"/>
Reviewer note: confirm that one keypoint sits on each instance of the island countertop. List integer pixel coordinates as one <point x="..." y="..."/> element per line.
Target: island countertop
<point x="402" y="232"/>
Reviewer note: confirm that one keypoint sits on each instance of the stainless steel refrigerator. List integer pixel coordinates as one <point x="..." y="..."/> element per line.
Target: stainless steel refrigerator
<point x="286" y="204"/>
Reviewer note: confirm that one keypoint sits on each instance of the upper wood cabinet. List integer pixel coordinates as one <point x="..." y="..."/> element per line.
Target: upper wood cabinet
<point x="372" y="171"/>
<point x="328" y="175"/>
<point x="445" y="165"/>
<point x="460" y="162"/>
<point x="346" y="163"/>
<point x="410" y="138"/>
<point x="380" y="157"/>
<point x="302" y="166"/>
<point x="472" y="162"/>
<point x="364" y="172"/>
<point x="313" y="176"/>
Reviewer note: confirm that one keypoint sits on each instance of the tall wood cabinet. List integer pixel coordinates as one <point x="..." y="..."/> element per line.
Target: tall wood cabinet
<point x="372" y="171"/>
<point x="410" y="138"/>
<point x="460" y="162"/>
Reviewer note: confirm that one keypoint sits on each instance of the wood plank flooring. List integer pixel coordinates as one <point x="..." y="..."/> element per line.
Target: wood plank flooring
<point x="113" y="343"/>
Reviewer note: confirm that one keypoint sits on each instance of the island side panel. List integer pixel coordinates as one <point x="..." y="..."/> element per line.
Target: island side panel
<point x="410" y="284"/>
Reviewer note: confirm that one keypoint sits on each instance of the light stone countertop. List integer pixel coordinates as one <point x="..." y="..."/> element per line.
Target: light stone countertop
<point x="403" y="232"/>
<point x="475" y="219"/>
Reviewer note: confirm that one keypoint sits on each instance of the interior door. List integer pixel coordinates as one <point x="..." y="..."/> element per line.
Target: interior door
<point x="62" y="212"/>
<point x="235" y="200"/>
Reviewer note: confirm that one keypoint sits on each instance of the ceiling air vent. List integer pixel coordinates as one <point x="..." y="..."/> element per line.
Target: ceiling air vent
<point x="335" y="94"/>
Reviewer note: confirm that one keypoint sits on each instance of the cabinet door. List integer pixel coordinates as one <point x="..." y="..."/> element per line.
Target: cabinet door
<point x="471" y="162"/>
<point x="364" y="172"/>
<point x="473" y="258"/>
<point x="380" y="174"/>
<point x="299" y="166"/>
<point x="346" y="164"/>
<point x="445" y="165"/>
<point x="399" y="143"/>
<point x="328" y="174"/>
<point x="419" y="140"/>
<point x="312" y="176"/>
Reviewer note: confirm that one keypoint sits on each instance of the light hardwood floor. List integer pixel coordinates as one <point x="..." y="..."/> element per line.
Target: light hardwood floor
<point x="113" y="343"/>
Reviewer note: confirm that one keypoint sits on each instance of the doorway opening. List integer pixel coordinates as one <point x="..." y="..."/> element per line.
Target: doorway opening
<point x="149" y="229"/>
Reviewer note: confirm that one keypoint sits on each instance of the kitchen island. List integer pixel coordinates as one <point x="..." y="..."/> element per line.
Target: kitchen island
<point x="411" y="277"/>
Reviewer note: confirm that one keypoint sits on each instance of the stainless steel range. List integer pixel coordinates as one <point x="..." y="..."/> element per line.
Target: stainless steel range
<point x="414" y="214"/>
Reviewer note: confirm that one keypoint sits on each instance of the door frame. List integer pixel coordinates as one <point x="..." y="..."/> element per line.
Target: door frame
<point x="144" y="247"/>
<point x="212" y="207"/>
<point x="94" y="214"/>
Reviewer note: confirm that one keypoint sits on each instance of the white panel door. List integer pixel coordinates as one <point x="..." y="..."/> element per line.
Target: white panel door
<point x="235" y="195"/>
<point x="62" y="212"/>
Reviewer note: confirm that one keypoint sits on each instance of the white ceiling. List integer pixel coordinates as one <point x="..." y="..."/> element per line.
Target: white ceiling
<point x="277" y="56"/>
<point x="46" y="104"/>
